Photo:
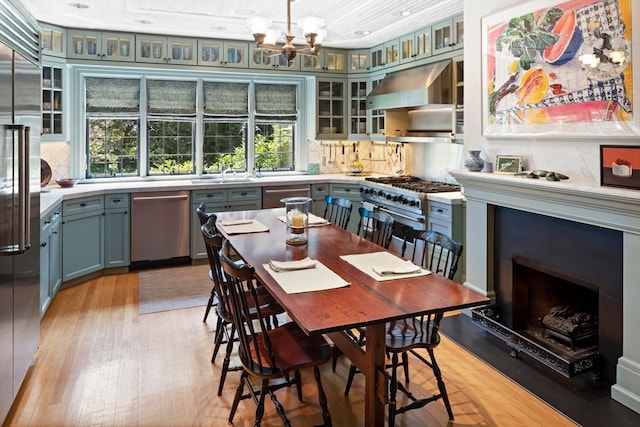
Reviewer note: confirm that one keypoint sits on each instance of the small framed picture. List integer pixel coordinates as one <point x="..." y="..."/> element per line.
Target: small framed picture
<point x="619" y="166"/>
<point x="508" y="164"/>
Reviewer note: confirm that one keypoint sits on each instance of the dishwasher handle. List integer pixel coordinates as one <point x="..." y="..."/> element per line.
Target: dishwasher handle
<point x="151" y="198"/>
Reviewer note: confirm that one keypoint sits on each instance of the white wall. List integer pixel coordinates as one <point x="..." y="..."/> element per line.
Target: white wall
<point x="577" y="158"/>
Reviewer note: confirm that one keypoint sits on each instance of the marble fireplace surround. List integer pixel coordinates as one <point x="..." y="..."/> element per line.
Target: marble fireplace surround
<point x="612" y="208"/>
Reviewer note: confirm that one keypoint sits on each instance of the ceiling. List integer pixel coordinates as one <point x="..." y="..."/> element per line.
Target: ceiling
<point x="345" y="20"/>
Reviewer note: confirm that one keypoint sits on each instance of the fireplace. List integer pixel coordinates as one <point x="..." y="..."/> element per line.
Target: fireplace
<point x="567" y="274"/>
<point x="608" y="213"/>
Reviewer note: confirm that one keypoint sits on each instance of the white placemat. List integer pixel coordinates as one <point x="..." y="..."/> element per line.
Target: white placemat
<point x="319" y="278"/>
<point x="382" y="261"/>
<point x="242" y="226"/>
<point x="314" y="220"/>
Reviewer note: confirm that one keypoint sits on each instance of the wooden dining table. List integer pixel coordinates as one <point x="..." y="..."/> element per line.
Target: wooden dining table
<point x="364" y="303"/>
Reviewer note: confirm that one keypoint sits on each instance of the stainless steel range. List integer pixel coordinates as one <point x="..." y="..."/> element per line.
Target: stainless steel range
<point x="403" y="197"/>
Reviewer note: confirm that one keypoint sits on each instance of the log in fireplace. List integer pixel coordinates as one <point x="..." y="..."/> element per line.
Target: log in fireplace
<point x="558" y="287"/>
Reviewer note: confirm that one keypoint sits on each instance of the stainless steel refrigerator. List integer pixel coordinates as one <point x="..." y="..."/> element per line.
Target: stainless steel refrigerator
<point x="20" y="99"/>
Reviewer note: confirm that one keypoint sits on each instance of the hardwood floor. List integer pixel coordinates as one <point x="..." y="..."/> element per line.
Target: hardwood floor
<point x="101" y="363"/>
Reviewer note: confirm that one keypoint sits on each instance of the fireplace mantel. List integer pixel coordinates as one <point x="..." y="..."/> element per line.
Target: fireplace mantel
<point x="613" y="208"/>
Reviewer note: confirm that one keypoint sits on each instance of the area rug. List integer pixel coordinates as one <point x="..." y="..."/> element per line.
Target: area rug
<point x="173" y="288"/>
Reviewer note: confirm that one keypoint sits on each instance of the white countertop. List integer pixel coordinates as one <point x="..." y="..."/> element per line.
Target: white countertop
<point x="52" y="194"/>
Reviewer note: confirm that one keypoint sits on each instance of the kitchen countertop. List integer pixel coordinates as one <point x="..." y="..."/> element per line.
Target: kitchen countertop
<point x="52" y="195"/>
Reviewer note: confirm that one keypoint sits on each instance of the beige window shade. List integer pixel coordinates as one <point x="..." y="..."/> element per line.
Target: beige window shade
<point x="109" y="95"/>
<point x="171" y="97"/>
<point x="226" y="99"/>
<point x="276" y="100"/>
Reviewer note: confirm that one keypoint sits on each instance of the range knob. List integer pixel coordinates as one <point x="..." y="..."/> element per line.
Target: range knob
<point x="413" y="203"/>
<point x="381" y="193"/>
<point x="389" y="196"/>
<point x="362" y="190"/>
<point x="396" y="198"/>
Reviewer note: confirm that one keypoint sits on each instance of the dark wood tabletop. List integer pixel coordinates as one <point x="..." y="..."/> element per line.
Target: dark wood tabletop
<point x="366" y="302"/>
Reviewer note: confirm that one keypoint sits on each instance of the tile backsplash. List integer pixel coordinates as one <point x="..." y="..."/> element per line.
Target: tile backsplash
<point x="58" y="156"/>
<point x="379" y="157"/>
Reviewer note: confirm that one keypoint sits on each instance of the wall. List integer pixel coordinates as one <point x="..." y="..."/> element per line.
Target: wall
<point x="577" y="158"/>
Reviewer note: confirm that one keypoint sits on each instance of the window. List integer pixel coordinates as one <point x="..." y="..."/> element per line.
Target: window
<point x="155" y="126"/>
<point x="171" y="112"/>
<point x="226" y="116"/>
<point x="113" y="116"/>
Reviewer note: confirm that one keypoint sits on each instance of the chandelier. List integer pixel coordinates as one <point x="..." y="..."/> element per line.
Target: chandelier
<point x="266" y="38"/>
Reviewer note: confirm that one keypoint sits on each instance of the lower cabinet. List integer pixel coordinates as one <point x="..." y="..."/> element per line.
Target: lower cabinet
<point x="50" y="257"/>
<point x="82" y="237"/>
<point x="448" y="219"/>
<point x="117" y="231"/>
<point x="219" y="200"/>
<point x="352" y="193"/>
<point x="318" y="191"/>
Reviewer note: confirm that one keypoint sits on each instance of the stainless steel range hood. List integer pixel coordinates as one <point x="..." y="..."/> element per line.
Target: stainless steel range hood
<point x="415" y="87"/>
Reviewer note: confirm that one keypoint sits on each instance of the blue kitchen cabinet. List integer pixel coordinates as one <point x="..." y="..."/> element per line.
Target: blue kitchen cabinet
<point x="117" y="231"/>
<point x="82" y="237"/>
<point x="50" y="257"/>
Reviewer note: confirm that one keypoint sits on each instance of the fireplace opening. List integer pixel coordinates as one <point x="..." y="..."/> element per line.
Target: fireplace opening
<point x="566" y="272"/>
<point x="557" y="312"/>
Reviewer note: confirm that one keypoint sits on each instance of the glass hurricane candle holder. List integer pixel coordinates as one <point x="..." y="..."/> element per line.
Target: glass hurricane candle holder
<point x="297" y="209"/>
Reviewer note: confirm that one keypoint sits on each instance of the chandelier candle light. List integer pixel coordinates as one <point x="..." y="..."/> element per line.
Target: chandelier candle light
<point x="266" y="38"/>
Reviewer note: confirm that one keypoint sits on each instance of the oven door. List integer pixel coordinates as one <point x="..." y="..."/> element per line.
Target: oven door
<point x="402" y="218"/>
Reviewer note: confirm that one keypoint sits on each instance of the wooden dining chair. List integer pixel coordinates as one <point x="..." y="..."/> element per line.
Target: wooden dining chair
<point x="224" y="328"/>
<point x="268" y="354"/>
<point x="439" y="254"/>
<point x="337" y="210"/>
<point x="376" y="226"/>
<point x="204" y="216"/>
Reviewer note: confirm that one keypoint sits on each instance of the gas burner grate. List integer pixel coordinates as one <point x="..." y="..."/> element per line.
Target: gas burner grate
<point x="413" y="183"/>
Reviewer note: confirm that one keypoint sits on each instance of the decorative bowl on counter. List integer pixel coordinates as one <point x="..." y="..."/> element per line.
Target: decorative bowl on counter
<point x="66" y="182"/>
<point x="356" y="167"/>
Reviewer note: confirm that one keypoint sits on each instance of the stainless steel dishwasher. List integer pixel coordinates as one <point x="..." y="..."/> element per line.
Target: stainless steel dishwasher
<point x="271" y="196"/>
<point x="159" y="225"/>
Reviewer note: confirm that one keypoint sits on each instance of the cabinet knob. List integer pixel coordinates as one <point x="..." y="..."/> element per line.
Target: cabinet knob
<point x="43" y="244"/>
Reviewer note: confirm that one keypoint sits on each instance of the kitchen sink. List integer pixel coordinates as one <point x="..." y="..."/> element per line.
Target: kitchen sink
<point x="219" y="180"/>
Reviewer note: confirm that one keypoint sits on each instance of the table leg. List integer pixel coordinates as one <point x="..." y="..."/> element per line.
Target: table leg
<point x="375" y="381"/>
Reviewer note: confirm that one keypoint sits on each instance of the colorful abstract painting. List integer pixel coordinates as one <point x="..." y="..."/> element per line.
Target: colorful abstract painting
<point x="559" y="69"/>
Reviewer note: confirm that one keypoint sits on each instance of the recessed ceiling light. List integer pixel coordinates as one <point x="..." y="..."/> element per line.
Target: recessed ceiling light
<point x="143" y="22"/>
<point x="79" y="5"/>
<point x="405" y="13"/>
<point x="363" y="32"/>
<point x="218" y="28"/>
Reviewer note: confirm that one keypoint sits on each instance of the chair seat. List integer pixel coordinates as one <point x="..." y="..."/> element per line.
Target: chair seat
<point x="403" y="335"/>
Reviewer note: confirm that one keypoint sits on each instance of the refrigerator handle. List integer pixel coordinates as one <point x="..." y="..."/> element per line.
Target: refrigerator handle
<point x="24" y="208"/>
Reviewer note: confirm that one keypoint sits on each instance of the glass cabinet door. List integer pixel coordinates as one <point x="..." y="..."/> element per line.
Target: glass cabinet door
<point x="118" y="47"/>
<point x="52" y="97"/>
<point x="357" y="103"/>
<point x="331" y="108"/>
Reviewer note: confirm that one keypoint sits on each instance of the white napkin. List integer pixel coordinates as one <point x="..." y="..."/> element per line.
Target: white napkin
<point x="406" y="267"/>
<point x="302" y="264"/>
<point x="314" y="220"/>
<point x="235" y="222"/>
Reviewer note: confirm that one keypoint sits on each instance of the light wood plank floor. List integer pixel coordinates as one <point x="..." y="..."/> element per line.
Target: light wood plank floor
<point x="100" y="363"/>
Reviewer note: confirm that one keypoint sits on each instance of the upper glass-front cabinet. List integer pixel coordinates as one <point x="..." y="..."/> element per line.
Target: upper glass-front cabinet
<point x="99" y="45"/>
<point x="359" y="61"/>
<point x="53" y="41"/>
<point x="447" y="35"/>
<point x="165" y="50"/>
<point x="52" y="96"/>
<point x="218" y="53"/>
<point x="261" y="58"/>
<point x="328" y="60"/>
<point x="415" y="46"/>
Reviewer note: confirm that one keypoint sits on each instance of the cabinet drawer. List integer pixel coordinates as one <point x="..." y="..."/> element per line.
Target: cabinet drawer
<point x="87" y="204"/>
<point x="440" y="211"/>
<point x="318" y="191"/>
<point x="236" y="194"/>
<point x="114" y="201"/>
<point x="351" y="192"/>
<point x="218" y="195"/>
